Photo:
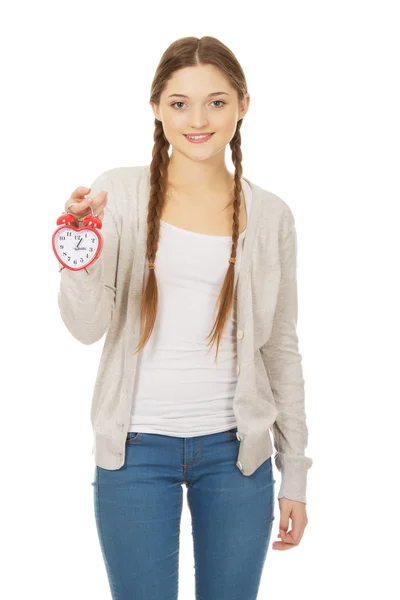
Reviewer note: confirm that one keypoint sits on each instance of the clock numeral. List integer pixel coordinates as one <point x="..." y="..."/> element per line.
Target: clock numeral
<point x="69" y="233"/>
<point x="90" y="249"/>
<point x="62" y="237"/>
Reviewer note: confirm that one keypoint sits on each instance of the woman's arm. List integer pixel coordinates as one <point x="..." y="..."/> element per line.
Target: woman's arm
<point x="283" y="363"/>
<point x="87" y="299"/>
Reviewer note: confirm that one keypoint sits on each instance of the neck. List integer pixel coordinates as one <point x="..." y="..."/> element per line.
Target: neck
<point x="198" y="177"/>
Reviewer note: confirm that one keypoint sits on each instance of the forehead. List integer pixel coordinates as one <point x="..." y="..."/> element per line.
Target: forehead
<point x="197" y="82"/>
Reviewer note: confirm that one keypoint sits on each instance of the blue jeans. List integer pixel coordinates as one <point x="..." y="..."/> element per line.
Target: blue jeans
<point x="138" y="510"/>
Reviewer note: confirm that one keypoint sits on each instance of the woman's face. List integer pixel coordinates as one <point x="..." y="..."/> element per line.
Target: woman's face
<point x="201" y="111"/>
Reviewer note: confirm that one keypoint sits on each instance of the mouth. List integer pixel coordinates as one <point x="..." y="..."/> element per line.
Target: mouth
<point x="199" y="138"/>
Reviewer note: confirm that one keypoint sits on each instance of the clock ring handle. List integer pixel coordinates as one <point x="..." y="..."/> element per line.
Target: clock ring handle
<point x="72" y="203"/>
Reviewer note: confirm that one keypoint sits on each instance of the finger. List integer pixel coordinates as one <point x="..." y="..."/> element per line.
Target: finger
<point x="97" y="212"/>
<point x="78" y="207"/>
<point x="294" y="535"/>
<point x="101" y="198"/>
<point x="99" y="202"/>
<point x="80" y="192"/>
<point x="283" y="528"/>
<point x="291" y="537"/>
<point x="284" y="520"/>
<point x="282" y="546"/>
<point x="296" y="532"/>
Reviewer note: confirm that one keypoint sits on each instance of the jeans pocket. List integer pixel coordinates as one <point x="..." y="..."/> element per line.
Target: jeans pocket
<point x="133" y="436"/>
<point x="95" y="478"/>
<point x="231" y="432"/>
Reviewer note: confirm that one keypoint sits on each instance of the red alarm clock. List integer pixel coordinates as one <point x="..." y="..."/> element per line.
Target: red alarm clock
<point x="76" y="248"/>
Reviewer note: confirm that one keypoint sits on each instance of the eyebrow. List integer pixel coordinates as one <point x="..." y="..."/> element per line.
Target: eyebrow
<point x="209" y="95"/>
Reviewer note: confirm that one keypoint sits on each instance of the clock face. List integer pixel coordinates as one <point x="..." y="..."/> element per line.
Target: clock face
<point x="75" y="249"/>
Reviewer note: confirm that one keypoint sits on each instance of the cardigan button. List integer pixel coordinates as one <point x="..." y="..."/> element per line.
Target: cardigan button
<point x="240" y="334"/>
<point x="237" y="369"/>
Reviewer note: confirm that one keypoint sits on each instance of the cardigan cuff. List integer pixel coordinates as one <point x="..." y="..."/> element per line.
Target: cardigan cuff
<point x="293" y="470"/>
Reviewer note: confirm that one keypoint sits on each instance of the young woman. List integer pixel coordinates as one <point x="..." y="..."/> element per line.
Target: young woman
<point x="189" y="250"/>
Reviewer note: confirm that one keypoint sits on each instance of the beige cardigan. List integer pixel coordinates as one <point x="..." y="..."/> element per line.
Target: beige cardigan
<point x="270" y="385"/>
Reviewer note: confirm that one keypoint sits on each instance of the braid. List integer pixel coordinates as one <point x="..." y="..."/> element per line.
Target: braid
<point x="158" y="179"/>
<point x="226" y="294"/>
<point x="236" y="149"/>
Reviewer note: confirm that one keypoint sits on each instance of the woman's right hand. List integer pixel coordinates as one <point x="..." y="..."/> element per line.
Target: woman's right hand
<point x="81" y="207"/>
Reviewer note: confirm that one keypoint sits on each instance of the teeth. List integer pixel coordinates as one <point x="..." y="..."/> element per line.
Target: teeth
<point x="197" y="137"/>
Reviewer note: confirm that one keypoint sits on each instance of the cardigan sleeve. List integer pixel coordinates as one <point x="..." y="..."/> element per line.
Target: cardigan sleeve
<point x="87" y="299"/>
<point x="282" y="361"/>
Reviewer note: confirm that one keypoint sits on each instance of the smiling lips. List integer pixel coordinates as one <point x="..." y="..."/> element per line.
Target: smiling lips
<point x="198" y="139"/>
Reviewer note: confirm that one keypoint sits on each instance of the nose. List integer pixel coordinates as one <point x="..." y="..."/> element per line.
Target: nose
<point x="198" y="118"/>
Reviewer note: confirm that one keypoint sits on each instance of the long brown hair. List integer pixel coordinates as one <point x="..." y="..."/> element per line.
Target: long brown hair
<point x="188" y="52"/>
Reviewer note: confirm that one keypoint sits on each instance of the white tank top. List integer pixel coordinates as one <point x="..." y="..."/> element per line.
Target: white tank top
<point x="179" y="390"/>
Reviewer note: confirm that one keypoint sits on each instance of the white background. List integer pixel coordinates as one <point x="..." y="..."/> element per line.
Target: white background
<point x="322" y="132"/>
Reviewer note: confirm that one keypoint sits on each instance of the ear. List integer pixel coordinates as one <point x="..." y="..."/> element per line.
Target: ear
<point x="155" y="110"/>
<point x="244" y="106"/>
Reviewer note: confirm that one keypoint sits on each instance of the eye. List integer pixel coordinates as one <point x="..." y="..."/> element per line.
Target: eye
<point x="220" y="101"/>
